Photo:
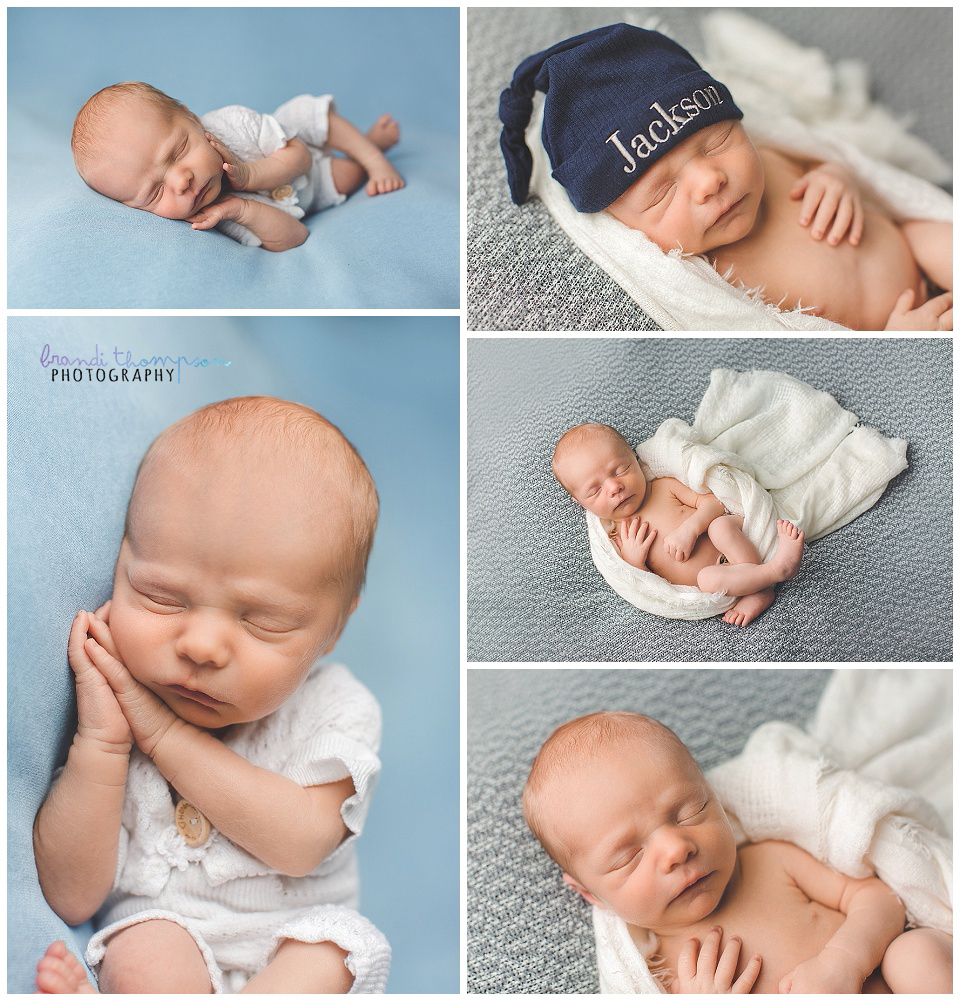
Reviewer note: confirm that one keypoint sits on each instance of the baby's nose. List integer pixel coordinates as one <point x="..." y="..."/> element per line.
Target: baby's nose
<point x="203" y="642"/>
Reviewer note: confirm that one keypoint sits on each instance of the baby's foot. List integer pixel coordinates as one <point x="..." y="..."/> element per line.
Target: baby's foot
<point x="786" y="560"/>
<point x="60" y="972"/>
<point x="384" y="133"/>
<point x="749" y="607"/>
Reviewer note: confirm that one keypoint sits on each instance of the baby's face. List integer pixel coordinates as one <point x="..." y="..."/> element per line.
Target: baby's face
<point x="221" y="602"/>
<point x="604" y="478"/>
<point x="646" y="836"/>
<point x="161" y="163"/>
<point x="705" y="193"/>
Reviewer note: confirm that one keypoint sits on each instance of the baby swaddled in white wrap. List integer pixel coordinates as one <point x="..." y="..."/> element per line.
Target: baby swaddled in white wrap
<point x="767" y="446"/>
<point x="867" y="789"/>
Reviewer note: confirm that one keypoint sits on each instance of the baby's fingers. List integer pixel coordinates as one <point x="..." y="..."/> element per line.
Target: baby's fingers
<point x="687" y="960"/>
<point x="76" y="654"/>
<point x="826" y="211"/>
<point x="744" y="983"/>
<point x="100" y="631"/>
<point x="707" y="960"/>
<point x="842" y="221"/>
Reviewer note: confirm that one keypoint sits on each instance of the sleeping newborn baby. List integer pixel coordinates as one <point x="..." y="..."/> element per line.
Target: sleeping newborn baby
<point x="618" y="802"/>
<point x="221" y="770"/>
<point x="700" y="544"/>
<point x="252" y="176"/>
<point x="634" y="127"/>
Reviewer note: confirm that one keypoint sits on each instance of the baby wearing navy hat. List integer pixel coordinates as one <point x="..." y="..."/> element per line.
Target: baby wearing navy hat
<point x="634" y="127"/>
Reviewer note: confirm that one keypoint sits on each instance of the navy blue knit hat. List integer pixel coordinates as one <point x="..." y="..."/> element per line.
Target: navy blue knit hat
<point x="617" y="99"/>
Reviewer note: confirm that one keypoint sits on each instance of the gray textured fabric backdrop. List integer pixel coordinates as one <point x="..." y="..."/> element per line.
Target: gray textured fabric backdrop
<point x="879" y="589"/>
<point x="523" y="273"/>
<point x="526" y="933"/>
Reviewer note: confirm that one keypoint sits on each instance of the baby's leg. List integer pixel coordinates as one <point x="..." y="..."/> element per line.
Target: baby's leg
<point x="348" y="175"/>
<point x="726" y="534"/>
<point x="153" y="957"/>
<point x="303" y="968"/>
<point x="747" y="578"/>
<point x="932" y="246"/>
<point x="60" y="972"/>
<point x="919" y="961"/>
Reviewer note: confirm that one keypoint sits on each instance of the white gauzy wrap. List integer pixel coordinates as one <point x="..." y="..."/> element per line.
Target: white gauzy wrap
<point x="794" y="100"/>
<point x="867" y="789"/>
<point x="768" y="446"/>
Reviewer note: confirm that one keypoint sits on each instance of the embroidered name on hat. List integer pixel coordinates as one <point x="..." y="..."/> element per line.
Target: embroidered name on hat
<point x="663" y="129"/>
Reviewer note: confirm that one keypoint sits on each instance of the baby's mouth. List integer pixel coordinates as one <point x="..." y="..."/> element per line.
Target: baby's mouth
<point x="201" y="195"/>
<point x="729" y="211"/>
<point x="193" y="696"/>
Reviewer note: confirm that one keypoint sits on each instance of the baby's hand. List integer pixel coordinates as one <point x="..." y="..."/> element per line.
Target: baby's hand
<point x="680" y="542"/>
<point x="635" y="540"/>
<point x="99" y="716"/>
<point x="237" y="170"/>
<point x="934" y="314"/>
<point x="230" y="207"/>
<point x="829" y="972"/>
<point x="149" y="719"/>
<point x="830" y="194"/>
<point x="711" y="972"/>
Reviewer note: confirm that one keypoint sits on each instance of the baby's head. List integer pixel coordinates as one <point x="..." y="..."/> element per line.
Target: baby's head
<point x="243" y="555"/>
<point x="600" y="471"/>
<point x="620" y="805"/>
<point x="134" y="144"/>
<point x="633" y="126"/>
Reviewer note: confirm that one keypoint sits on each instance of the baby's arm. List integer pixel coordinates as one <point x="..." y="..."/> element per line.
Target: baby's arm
<point x="680" y="542"/>
<point x="874" y="917"/>
<point x="267" y="173"/>
<point x="275" y="229"/>
<point x="290" y="828"/>
<point x="77" y="831"/>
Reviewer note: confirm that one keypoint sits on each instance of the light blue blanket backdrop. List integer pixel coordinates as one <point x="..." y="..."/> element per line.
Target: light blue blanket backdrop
<point x="392" y="385"/>
<point x="70" y="247"/>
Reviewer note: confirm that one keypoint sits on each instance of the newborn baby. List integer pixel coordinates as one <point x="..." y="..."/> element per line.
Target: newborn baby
<point x="634" y="127"/>
<point x="253" y="176"/>
<point x="219" y="850"/>
<point x="701" y="545"/>
<point x="618" y="802"/>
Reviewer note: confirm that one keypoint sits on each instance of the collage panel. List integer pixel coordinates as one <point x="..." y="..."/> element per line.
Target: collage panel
<point x="318" y="114"/>
<point x="688" y="831"/>
<point x="710" y="169"/>
<point x="242" y="560"/>
<point x="848" y="439"/>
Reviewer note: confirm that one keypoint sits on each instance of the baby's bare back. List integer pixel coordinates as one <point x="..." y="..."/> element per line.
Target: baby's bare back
<point x="773" y="918"/>
<point x="664" y="512"/>
<point x="855" y="286"/>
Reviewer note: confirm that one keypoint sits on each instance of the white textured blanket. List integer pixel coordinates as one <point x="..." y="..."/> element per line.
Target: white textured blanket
<point x="768" y="446"/>
<point x="794" y="99"/>
<point x="867" y="788"/>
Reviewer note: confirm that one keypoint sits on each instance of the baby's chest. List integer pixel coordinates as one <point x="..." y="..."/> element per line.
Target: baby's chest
<point x="853" y="285"/>
<point x="774" y="920"/>
<point x="662" y="509"/>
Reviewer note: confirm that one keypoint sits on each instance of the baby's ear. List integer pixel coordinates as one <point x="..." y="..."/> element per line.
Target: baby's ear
<point x="583" y="891"/>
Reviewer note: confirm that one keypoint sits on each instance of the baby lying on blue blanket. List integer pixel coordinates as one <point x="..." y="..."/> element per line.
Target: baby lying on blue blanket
<point x="252" y="176"/>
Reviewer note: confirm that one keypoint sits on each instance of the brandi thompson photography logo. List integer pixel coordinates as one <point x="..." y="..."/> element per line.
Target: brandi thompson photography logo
<point x="120" y="365"/>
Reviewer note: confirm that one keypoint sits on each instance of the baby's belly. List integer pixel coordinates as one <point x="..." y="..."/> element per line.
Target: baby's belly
<point x="863" y="283"/>
<point x="853" y="286"/>
<point x="704" y="554"/>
